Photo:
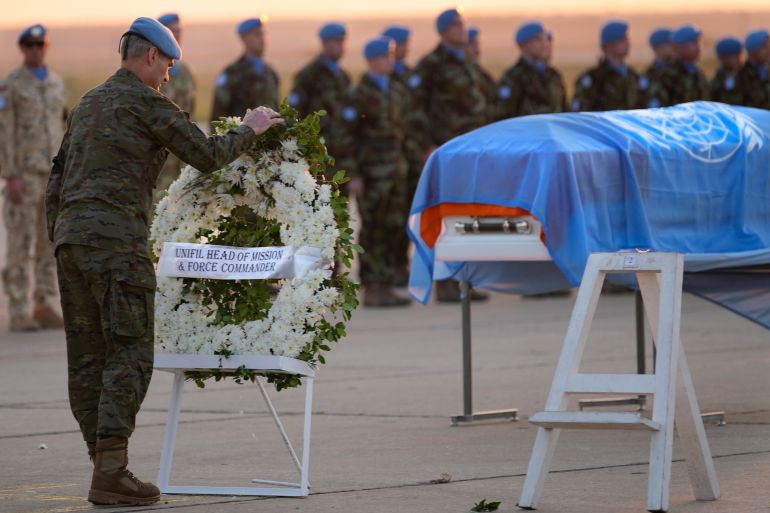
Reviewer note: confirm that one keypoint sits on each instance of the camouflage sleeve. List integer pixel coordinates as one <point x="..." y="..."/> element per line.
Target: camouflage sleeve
<point x="7" y="132"/>
<point x="222" y="97"/>
<point x="659" y="92"/>
<point x="584" y="98"/>
<point x="299" y="97"/>
<point x="508" y="98"/>
<point x="351" y="115"/>
<point x="419" y="84"/>
<point x="53" y="189"/>
<point x="174" y="130"/>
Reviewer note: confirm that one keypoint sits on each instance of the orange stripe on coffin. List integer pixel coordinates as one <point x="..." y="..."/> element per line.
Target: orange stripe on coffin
<point x="431" y="218"/>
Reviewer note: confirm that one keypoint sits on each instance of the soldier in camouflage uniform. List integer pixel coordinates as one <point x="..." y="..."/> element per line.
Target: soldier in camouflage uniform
<point x="180" y="89"/>
<point x="612" y="85"/>
<point x="376" y="119"/>
<point x="729" y="51"/>
<point x="663" y="48"/>
<point x="682" y="81"/>
<point x="322" y="85"/>
<point x="32" y="113"/>
<point x="248" y="81"/>
<point x="98" y="204"/>
<point x="448" y="100"/>
<point x="530" y="86"/>
<point x="753" y="80"/>
<point x="488" y="85"/>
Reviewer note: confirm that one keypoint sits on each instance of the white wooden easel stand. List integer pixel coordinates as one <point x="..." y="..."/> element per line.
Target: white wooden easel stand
<point x="178" y="364"/>
<point x="660" y="280"/>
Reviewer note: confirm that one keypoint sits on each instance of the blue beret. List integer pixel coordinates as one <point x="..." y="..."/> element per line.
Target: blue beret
<point x="377" y="47"/>
<point x="685" y="34"/>
<point x="332" y="31"/>
<point x="168" y="18"/>
<point x="158" y="35"/>
<point x="249" y="24"/>
<point x="397" y="33"/>
<point x="613" y="31"/>
<point x="528" y="31"/>
<point x="756" y="39"/>
<point x="446" y="18"/>
<point x="660" y="36"/>
<point x="34" y="31"/>
<point x="473" y="33"/>
<point x="728" y="46"/>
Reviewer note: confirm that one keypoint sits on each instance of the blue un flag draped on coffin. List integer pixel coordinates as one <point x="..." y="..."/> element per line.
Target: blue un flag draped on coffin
<point x="694" y="178"/>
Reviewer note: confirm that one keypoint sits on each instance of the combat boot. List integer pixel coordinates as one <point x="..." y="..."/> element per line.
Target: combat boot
<point x="21" y="323"/>
<point x="91" y="451"/>
<point x="112" y="483"/>
<point x="47" y="317"/>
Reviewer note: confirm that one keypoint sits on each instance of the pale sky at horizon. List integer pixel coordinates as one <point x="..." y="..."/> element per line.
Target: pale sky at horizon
<point x="91" y="12"/>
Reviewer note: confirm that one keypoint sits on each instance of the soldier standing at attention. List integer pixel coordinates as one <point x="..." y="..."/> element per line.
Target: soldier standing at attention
<point x="753" y="80"/>
<point x="729" y="51"/>
<point x="376" y="119"/>
<point x="98" y="201"/>
<point x="530" y="86"/>
<point x="32" y="114"/>
<point x="663" y="48"/>
<point x="249" y="81"/>
<point x="473" y="48"/>
<point x="612" y="85"/>
<point x="180" y="89"/>
<point x="322" y="85"/>
<point x="449" y="100"/>
<point x="683" y="81"/>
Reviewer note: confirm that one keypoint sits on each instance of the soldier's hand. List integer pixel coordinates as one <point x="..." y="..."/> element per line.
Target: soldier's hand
<point x="16" y="189"/>
<point x="261" y="119"/>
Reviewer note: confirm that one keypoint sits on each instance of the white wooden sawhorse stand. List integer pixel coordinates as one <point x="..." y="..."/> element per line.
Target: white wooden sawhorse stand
<point x="660" y="281"/>
<point x="178" y="364"/>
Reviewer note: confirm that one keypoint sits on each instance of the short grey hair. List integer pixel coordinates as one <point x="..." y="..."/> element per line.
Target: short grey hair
<point x="133" y="46"/>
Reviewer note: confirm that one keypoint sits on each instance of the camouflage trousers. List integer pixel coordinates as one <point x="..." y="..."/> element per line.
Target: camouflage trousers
<point x="108" y="305"/>
<point x="383" y="220"/>
<point x="29" y="252"/>
<point x="402" y="246"/>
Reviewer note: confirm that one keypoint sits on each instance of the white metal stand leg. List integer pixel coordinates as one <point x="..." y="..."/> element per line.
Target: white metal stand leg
<point x="660" y="280"/>
<point x="169" y="436"/>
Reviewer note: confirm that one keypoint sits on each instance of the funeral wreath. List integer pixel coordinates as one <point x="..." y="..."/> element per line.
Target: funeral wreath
<point x="274" y="195"/>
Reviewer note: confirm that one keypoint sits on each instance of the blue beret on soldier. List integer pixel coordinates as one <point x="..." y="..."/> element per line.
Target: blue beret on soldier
<point x="332" y="31"/>
<point x="728" y="46"/>
<point x="473" y="33"/>
<point x="660" y="36"/>
<point x="377" y="47"/>
<point x="685" y="34"/>
<point x="446" y="18"/>
<point x="168" y="18"/>
<point x="36" y="30"/>
<point x="756" y="39"/>
<point x="249" y="24"/>
<point x="397" y="33"/>
<point x="528" y="32"/>
<point x="613" y="31"/>
<point x="158" y="35"/>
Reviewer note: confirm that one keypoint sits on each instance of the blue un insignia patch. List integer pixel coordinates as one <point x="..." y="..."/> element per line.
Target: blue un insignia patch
<point x="644" y="82"/>
<point x="730" y="83"/>
<point x="586" y="81"/>
<point x="3" y="103"/>
<point x="293" y="99"/>
<point x="349" y="114"/>
<point x="415" y="81"/>
<point x="221" y="80"/>
<point x="504" y="92"/>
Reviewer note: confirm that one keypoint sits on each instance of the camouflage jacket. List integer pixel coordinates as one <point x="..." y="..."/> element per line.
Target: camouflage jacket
<point x="605" y="88"/>
<point x="648" y="82"/>
<point x="522" y="90"/>
<point x="118" y="136"/>
<point x="723" y="88"/>
<point x="449" y="97"/>
<point x="316" y="87"/>
<point x="489" y="89"/>
<point x="752" y="89"/>
<point x="32" y="115"/>
<point x="181" y="88"/>
<point x="678" y="84"/>
<point x="376" y="126"/>
<point x="240" y="87"/>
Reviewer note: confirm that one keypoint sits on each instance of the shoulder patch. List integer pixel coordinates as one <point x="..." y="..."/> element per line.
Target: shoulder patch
<point x="221" y="80"/>
<point x="586" y="81"/>
<point x="730" y="83"/>
<point x="415" y="81"/>
<point x="644" y="83"/>
<point x="349" y="114"/>
<point x="293" y="99"/>
<point x="575" y="105"/>
<point x="3" y="102"/>
<point x="504" y="92"/>
<point x="653" y="104"/>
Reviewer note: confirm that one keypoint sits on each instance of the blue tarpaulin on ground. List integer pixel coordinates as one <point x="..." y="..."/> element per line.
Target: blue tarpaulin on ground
<point x="694" y="179"/>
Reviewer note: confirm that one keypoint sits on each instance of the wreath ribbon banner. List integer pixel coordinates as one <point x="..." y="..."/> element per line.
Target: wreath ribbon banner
<point x="210" y="261"/>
